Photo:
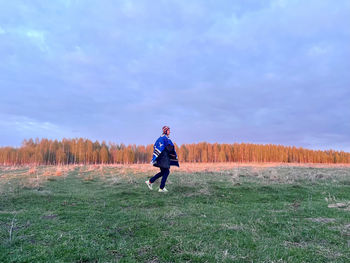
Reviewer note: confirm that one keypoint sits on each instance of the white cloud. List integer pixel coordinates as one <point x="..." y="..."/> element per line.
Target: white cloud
<point x="326" y="141"/>
<point x="28" y="127"/>
<point x="38" y="38"/>
<point x="280" y="3"/>
<point x="318" y="50"/>
<point x="131" y="8"/>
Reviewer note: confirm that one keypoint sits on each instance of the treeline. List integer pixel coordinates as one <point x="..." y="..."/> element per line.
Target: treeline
<point x="84" y="151"/>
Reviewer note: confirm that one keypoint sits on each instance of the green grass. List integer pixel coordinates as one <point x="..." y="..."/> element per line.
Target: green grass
<point x="205" y="217"/>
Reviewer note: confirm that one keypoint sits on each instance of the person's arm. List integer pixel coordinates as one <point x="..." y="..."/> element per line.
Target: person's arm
<point x="173" y="154"/>
<point x="157" y="149"/>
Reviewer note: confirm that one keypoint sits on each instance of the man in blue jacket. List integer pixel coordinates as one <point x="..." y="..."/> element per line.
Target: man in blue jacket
<point x="164" y="155"/>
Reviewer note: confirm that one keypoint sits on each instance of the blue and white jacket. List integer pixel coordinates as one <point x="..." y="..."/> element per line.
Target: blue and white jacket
<point x="164" y="154"/>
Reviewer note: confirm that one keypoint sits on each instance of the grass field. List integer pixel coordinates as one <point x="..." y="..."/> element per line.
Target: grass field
<point x="231" y="214"/>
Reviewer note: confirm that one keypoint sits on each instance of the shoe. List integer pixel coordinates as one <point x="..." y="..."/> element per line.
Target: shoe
<point x="163" y="190"/>
<point x="149" y="184"/>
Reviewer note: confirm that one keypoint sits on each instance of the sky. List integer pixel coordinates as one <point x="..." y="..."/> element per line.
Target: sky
<point x="253" y="71"/>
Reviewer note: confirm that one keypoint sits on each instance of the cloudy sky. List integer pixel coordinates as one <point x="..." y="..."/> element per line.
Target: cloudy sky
<point x="258" y="71"/>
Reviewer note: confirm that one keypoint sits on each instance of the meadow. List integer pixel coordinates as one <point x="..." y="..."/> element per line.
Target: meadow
<point x="212" y="213"/>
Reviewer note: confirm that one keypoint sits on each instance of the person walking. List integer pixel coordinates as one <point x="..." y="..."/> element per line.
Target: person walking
<point x="164" y="156"/>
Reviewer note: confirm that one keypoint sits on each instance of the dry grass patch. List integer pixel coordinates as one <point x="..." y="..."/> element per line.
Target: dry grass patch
<point x="322" y="220"/>
<point x="296" y="244"/>
<point x="232" y="227"/>
<point x="32" y="170"/>
<point x="29" y="176"/>
<point x="339" y="205"/>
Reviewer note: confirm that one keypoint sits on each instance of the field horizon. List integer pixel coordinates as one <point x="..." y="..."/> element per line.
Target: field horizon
<point x="85" y="151"/>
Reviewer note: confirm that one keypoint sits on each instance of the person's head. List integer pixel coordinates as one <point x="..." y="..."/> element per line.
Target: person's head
<point x="166" y="130"/>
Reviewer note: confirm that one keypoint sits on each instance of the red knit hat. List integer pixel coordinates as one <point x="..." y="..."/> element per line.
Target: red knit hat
<point x="165" y="129"/>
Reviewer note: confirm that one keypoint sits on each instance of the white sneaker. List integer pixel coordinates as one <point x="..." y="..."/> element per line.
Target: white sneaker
<point x="149" y="184"/>
<point x="163" y="190"/>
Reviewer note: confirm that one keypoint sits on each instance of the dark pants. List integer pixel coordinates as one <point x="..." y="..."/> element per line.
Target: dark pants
<point x="164" y="172"/>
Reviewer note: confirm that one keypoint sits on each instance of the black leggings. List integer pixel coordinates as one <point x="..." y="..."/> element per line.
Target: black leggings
<point x="164" y="172"/>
